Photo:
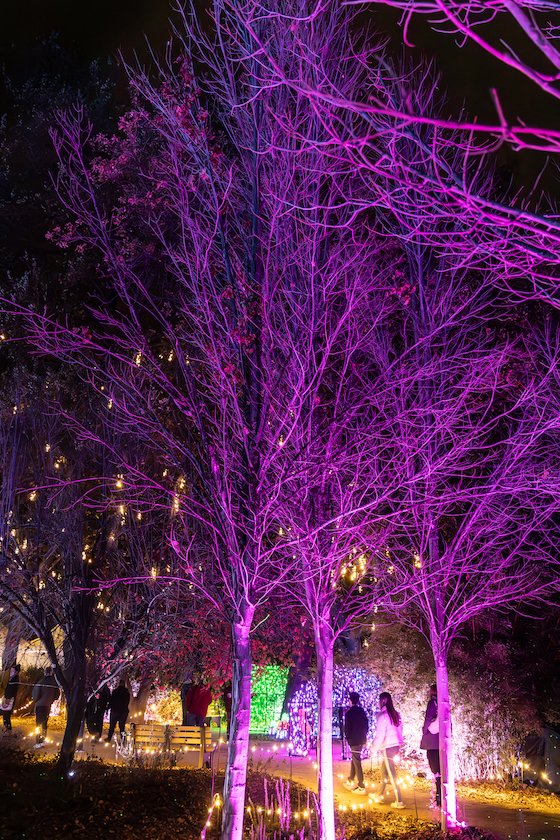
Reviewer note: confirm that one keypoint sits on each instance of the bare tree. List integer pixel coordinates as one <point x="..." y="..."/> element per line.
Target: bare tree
<point x="181" y="363"/>
<point x="478" y="437"/>
<point x="55" y="549"/>
<point x="333" y="481"/>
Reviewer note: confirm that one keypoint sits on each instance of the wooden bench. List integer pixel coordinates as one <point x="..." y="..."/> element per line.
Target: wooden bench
<point x="192" y="739"/>
<point x="140" y="738"/>
<point x="148" y="738"/>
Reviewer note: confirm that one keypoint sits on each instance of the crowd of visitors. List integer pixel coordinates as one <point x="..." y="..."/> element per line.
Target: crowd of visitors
<point x="387" y="743"/>
<point x="196" y="697"/>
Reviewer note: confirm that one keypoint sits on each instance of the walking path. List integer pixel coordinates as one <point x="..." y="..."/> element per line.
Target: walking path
<point x="507" y="823"/>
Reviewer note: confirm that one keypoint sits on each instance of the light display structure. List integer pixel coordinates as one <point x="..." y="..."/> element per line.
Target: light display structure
<point x="267" y="698"/>
<point x="303" y="706"/>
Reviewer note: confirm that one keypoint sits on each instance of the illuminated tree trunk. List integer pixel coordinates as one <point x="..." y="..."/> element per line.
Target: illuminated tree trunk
<point x="446" y="751"/>
<point x="75" y="693"/>
<point x="324" y="642"/>
<point x="238" y="746"/>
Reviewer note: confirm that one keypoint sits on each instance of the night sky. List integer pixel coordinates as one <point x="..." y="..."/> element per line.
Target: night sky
<point x="101" y="29"/>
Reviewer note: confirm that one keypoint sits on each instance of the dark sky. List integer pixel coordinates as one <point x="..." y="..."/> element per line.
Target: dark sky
<point x="92" y="30"/>
<point x="100" y="28"/>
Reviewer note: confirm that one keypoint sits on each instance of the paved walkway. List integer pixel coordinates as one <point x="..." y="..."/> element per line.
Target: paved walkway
<point x="506" y="823"/>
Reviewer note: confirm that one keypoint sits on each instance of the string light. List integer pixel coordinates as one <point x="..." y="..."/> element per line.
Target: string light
<point x="268" y="692"/>
<point x="303" y="707"/>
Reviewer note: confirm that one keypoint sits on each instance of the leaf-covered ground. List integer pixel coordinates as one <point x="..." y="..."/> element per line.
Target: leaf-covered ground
<point x="512" y="796"/>
<point x="104" y="801"/>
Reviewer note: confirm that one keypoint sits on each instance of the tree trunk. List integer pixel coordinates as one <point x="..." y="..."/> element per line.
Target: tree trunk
<point x="11" y="643"/>
<point x="75" y="708"/>
<point x="324" y="642"/>
<point x="446" y="753"/>
<point x="238" y="746"/>
<point x="139" y="704"/>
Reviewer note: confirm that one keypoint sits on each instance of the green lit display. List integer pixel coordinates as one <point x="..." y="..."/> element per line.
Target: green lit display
<point x="267" y="697"/>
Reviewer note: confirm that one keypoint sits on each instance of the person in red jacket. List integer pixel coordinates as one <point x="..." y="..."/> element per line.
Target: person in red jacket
<point x="199" y="698"/>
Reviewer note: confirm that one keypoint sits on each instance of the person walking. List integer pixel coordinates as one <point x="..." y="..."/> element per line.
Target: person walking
<point x="45" y="692"/>
<point x="388" y="741"/>
<point x="95" y="712"/>
<point x="227" y="698"/>
<point x="118" y="706"/>
<point x="185" y="697"/>
<point x="9" y="700"/>
<point x="198" y="699"/>
<point x="356" y="726"/>
<point x="430" y="741"/>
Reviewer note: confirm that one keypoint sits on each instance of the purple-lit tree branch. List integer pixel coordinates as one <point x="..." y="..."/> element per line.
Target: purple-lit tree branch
<point x="514" y="237"/>
<point x="494" y="27"/>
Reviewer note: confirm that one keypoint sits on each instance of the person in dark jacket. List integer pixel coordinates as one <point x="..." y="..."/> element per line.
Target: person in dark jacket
<point x="185" y="695"/>
<point x="95" y="711"/>
<point x="430" y="740"/>
<point x="118" y="705"/>
<point x="227" y="698"/>
<point x="10" y="695"/>
<point x="45" y="692"/>
<point x="356" y="726"/>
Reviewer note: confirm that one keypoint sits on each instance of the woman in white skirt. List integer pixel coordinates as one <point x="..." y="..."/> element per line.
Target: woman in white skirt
<point x="388" y="741"/>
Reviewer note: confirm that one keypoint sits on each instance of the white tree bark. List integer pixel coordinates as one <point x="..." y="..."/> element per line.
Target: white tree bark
<point x="446" y="752"/>
<point x="324" y="643"/>
<point x="238" y="747"/>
